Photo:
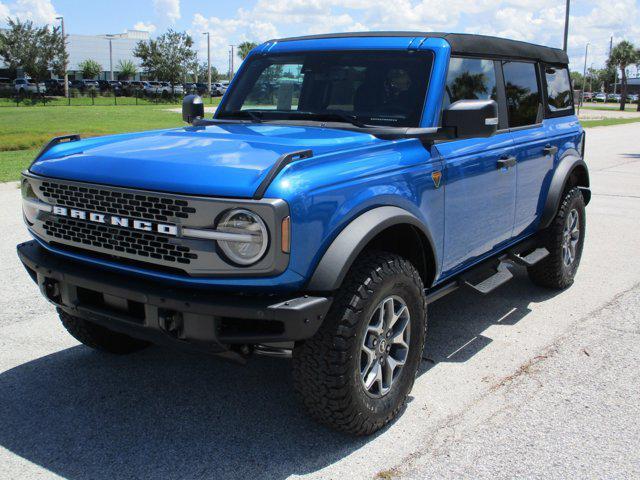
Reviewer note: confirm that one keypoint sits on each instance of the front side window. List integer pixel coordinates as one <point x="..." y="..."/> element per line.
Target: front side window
<point x="523" y="95"/>
<point x="470" y="79"/>
<point x="374" y="88"/>
<point x="559" y="95"/>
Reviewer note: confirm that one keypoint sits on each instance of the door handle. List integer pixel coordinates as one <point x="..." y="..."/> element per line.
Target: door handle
<point x="549" y="150"/>
<point x="506" y="162"/>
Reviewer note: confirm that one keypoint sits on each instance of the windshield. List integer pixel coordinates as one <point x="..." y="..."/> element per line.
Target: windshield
<point x="374" y="88"/>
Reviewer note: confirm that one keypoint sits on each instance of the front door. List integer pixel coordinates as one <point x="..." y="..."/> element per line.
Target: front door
<point x="479" y="173"/>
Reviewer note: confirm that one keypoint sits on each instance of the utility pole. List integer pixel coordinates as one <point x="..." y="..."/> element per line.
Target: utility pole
<point x="566" y="25"/>
<point x="209" y="64"/>
<point x="584" y="76"/>
<point x="615" y="70"/>
<point x="231" y="63"/>
<point x="66" y="75"/>
<point x="110" y="37"/>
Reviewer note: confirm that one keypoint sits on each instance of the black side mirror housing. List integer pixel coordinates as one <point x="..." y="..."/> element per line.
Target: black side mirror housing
<point x="471" y="118"/>
<point x="192" y="108"/>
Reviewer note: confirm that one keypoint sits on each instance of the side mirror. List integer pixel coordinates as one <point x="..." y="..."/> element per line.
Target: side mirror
<point x="192" y="108"/>
<point x="471" y="118"/>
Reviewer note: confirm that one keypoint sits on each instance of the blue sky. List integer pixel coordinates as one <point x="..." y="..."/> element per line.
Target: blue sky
<point x="231" y="22"/>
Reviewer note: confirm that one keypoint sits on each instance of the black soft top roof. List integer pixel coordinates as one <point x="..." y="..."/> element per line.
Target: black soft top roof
<point x="465" y="44"/>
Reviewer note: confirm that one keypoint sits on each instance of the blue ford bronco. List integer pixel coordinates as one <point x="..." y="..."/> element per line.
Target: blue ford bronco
<point x="344" y="183"/>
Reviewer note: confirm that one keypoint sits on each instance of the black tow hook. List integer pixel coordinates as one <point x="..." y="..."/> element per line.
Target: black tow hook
<point x="171" y="322"/>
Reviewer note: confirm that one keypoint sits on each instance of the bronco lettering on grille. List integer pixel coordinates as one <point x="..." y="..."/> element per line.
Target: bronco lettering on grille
<point x="116" y="221"/>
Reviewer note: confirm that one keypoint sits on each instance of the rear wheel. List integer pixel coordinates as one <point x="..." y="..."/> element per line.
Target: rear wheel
<point x="356" y="372"/>
<point x="98" y="337"/>
<point x="564" y="239"/>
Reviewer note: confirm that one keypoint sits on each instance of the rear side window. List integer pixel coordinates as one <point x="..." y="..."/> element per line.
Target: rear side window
<point x="470" y="79"/>
<point x="522" y="92"/>
<point x="559" y="95"/>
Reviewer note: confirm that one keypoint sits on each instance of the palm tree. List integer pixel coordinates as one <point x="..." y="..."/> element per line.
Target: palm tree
<point x="244" y="48"/>
<point x="623" y="55"/>
<point x="127" y="69"/>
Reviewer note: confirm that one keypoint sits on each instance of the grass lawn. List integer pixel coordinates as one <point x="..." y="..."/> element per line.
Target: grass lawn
<point x="609" y="107"/>
<point x="608" y="122"/>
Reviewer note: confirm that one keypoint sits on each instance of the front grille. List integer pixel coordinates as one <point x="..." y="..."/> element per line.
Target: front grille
<point x="118" y="240"/>
<point x="149" y="207"/>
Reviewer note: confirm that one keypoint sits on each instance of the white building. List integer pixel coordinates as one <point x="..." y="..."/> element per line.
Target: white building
<point x="107" y="50"/>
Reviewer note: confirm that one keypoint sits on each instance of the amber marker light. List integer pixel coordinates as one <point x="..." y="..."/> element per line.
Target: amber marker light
<point x="286" y="235"/>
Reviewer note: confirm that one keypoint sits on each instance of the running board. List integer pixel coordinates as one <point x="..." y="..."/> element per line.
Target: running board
<point x="531" y="259"/>
<point x="501" y="276"/>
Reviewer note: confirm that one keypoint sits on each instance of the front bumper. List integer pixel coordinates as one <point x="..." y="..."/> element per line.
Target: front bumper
<point x="165" y="314"/>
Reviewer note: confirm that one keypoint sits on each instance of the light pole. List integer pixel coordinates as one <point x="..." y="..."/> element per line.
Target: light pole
<point x="64" y="66"/>
<point x="231" y="63"/>
<point x="584" y="76"/>
<point x="566" y="25"/>
<point x="110" y="37"/>
<point x="209" y="65"/>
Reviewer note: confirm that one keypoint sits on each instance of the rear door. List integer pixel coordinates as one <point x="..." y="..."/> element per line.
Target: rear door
<point x="534" y="153"/>
<point x="479" y="193"/>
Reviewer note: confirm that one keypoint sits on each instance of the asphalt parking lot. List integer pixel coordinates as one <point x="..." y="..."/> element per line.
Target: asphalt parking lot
<point x="524" y="383"/>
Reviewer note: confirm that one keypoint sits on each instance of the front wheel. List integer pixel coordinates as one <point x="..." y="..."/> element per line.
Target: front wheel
<point x="564" y="239"/>
<point x="355" y="374"/>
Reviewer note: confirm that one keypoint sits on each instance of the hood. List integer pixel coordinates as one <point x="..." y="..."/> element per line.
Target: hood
<point x="223" y="160"/>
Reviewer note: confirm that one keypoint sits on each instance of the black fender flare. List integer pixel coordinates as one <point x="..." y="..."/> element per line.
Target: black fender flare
<point x="563" y="171"/>
<point x="345" y="248"/>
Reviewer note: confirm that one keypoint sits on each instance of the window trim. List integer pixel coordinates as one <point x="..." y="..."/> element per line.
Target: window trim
<point x="565" y="112"/>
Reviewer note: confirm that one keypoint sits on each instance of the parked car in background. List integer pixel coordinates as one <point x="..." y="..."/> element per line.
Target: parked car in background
<point x="55" y="86"/>
<point x="197" y="88"/>
<point x="24" y="86"/>
<point x="220" y="88"/>
<point x="110" y="86"/>
<point x="150" y="88"/>
<point x="6" y="87"/>
<point x="600" y="97"/>
<point x="613" y="97"/>
<point x="85" y="86"/>
<point x="166" y="88"/>
<point x="587" y="96"/>
<point x="633" y="97"/>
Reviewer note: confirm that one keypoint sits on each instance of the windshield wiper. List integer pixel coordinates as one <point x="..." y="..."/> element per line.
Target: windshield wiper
<point x="254" y="115"/>
<point x="340" y="116"/>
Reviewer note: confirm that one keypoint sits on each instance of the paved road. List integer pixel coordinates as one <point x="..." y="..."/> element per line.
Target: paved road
<point x="525" y="382"/>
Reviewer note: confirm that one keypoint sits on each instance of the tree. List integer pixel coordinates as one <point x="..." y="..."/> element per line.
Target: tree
<point x="170" y="57"/>
<point x="577" y="80"/>
<point x="127" y="69"/>
<point x="90" y="68"/>
<point x="200" y="73"/>
<point x="623" y="55"/>
<point x="245" y="48"/>
<point x="37" y="50"/>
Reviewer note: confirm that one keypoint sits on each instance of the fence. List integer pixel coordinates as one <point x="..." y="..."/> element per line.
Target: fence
<point x="92" y="97"/>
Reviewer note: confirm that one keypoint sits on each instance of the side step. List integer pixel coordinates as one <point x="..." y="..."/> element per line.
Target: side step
<point x="531" y="259"/>
<point x="500" y="277"/>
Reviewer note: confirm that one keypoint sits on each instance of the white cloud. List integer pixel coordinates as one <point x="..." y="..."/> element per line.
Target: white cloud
<point x="170" y="9"/>
<point x="537" y="21"/>
<point x="38" y="11"/>
<point x="145" y="27"/>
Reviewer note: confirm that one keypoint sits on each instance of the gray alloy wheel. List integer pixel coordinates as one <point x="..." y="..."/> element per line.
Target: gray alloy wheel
<point x="570" y="237"/>
<point x="385" y="346"/>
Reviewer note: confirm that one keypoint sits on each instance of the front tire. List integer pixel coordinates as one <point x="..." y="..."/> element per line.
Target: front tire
<point x="355" y="374"/>
<point x="564" y="239"/>
<point x="98" y="337"/>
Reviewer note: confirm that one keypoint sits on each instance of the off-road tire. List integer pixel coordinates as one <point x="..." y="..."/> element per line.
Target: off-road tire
<point x="551" y="272"/>
<point x="326" y="368"/>
<point x="98" y="337"/>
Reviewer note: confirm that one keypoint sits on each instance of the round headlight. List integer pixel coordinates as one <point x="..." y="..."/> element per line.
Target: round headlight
<point x="252" y="236"/>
